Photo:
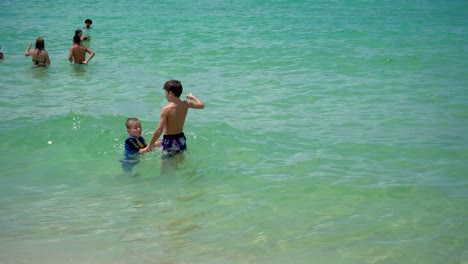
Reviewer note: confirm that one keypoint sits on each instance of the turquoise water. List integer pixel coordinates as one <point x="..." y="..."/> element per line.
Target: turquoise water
<point x="333" y="132"/>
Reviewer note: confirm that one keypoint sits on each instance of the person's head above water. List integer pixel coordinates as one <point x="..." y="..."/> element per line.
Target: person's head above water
<point x="78" y="32"/>
<point x="133" y="126"/>
<point x="173" y="86"/>
<point x="76" y="39"/>
<point x="88" y="23"/>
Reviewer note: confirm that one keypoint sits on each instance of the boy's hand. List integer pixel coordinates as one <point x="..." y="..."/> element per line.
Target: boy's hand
<point x="147" y="149"/>
<point x="189" y="96"/>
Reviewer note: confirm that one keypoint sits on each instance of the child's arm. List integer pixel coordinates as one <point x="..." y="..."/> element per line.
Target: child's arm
<point x="157" y="133"/>
<point x="194" y="102"/>
<point x="157" y="144"/>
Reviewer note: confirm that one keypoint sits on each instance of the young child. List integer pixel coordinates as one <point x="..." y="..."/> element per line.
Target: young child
<point x="134" y="144"/>
<point x="172" y="120"/>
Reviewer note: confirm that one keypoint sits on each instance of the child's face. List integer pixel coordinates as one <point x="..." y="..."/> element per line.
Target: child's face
<point x="135" y="129"/>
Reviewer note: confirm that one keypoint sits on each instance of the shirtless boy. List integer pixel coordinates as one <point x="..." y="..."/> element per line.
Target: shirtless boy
<point x="78" y="52"/>
<point x="172" y="120"/>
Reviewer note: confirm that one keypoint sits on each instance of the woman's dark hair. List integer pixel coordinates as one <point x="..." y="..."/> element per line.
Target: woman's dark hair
<point x="174" y="86"/>
<point x="40" y="45"/>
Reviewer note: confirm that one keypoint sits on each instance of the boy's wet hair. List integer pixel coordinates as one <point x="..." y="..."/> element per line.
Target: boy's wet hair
<point x="76" y="39"/>
<point x="130" y="120"/>
<point x="174" y="86"/>
<point x="88" y="21"/>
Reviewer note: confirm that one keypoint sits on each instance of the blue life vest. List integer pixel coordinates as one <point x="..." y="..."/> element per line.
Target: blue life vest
<point x="133" y="145"/>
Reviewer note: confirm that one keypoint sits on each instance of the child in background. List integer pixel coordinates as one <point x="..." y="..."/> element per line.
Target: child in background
<point x="134" y="144"/>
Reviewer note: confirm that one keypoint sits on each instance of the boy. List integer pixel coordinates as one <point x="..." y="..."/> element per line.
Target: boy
<point x="134" y="144"/>
<point x="172" y="120"/>
<point x="78" y="52"/>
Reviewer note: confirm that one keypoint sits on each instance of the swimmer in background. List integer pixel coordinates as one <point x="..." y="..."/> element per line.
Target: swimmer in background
<point x="78" y="52"/>
<point x="84" y="39"/>
<point x="172" y="120"/>
<point x="134" y="144"/>
<point x="79" y="33"/>
<point x="1" y="53"/>
<point x="88" y="23"/>
<point x="40" y="57"/>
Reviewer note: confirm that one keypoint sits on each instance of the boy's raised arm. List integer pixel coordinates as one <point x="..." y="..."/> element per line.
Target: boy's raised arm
<point x="194" y="102"/>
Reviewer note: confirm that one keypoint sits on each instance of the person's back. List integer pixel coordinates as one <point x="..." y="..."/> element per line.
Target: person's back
<point x="40" y="57"/>
<point x="78" y="52"/>
<point x="176" y="114"/>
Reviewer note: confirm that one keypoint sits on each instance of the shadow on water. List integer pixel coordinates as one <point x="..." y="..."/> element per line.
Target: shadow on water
<point x="166" y="167"/>
<point x="39" y="72"/>
<point x="79" y="70"/>
<point x="172" y="164"/>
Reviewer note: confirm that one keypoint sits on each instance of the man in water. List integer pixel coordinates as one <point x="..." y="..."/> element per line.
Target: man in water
<point x="78" y="52"/>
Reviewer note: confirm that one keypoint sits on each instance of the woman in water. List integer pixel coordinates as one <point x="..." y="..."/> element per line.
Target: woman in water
<point x="40" y="57"/>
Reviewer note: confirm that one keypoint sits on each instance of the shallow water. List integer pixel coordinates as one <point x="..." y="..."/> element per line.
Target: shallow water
<point x="333" y="133"/>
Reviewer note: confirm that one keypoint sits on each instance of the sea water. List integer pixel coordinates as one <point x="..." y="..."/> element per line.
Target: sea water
<point x="333" y="132"/>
